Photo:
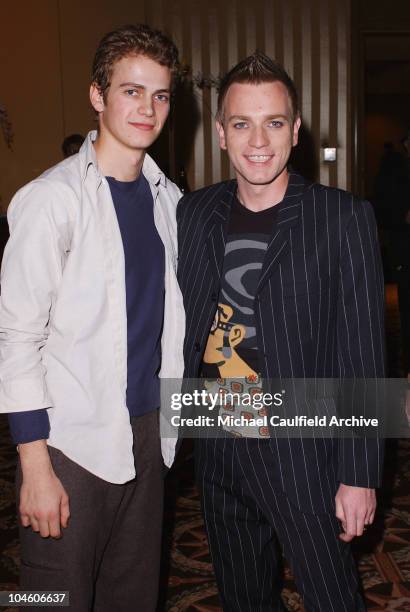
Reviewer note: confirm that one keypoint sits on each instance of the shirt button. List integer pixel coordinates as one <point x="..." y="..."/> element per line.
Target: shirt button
<point x="197" y="347"/>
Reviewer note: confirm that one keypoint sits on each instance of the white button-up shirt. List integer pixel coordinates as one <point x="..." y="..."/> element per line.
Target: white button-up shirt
<point x="63" y="319"/>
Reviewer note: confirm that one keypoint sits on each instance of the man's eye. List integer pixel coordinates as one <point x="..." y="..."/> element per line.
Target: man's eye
<point x="130" y="92"/>
<point x="240" y="125"/>
<point x="162" y="97"/>
<point x="276" y="124"/>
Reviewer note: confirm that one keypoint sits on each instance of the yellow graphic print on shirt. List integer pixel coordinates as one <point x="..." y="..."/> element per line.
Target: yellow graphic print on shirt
<point x="234" y="373"/>
<point x="223" y="339"/>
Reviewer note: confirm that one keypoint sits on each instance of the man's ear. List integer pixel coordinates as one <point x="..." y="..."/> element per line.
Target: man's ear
<point x="295" y="129"/>
<point x="221" y="134"/>
<point x="96" y="98"/>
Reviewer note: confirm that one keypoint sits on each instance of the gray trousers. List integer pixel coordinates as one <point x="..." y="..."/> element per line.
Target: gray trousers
<point x="109" y="556"/>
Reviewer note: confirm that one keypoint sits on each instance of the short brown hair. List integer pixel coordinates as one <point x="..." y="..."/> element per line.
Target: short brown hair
<point x="138" y="39"/>
<point x="255" y="69"/>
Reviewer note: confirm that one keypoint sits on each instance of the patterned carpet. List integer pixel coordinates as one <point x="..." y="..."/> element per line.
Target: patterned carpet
<point x="188" y="583"/>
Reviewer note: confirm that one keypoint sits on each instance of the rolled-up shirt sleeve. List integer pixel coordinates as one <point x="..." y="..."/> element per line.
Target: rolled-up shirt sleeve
<point x="30" y="276"/>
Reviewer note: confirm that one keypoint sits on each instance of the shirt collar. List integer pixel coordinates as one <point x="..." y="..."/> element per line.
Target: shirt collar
<point x="152" y="173"/>
<point x="88" y="159"/>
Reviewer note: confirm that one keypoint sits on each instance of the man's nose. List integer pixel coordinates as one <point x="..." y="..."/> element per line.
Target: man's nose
<point x="146" y="107"/>
<point x="258" y="138"/>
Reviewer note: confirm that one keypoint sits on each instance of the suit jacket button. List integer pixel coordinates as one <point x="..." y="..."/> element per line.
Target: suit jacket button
<point x="214" y="297"/>
<point x="197" y="347"/>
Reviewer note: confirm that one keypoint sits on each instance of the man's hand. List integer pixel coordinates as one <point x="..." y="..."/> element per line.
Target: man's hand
<point x="355" y="508"/>
<point x="43" y="501"/>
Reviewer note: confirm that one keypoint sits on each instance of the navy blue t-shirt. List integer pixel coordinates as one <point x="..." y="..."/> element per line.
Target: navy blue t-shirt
<point x="144" y="281"/>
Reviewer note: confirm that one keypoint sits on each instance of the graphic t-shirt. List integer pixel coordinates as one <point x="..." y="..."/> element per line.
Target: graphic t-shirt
<point x="232" y="349"/>
<point x="231" y="354"/>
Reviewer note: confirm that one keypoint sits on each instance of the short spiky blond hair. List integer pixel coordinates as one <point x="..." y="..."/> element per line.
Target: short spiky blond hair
<point x="257" y="68"/>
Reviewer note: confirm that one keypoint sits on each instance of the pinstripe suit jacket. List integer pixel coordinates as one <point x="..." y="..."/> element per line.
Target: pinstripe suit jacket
<point x="319" y="313"/>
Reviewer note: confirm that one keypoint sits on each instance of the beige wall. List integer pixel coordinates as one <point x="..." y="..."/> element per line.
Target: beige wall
<point x="46" y="53"/>
<point x="30" y="88"/>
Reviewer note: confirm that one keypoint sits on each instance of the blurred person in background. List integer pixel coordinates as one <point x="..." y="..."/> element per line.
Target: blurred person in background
<point x="400" y="250"/>
<point x="72" y="144"/>
<point x="391" y="201"/>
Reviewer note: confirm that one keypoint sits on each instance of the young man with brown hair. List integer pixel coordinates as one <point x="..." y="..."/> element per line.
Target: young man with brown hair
<point x="90" y="312"/>
<point x="285" y="275"/>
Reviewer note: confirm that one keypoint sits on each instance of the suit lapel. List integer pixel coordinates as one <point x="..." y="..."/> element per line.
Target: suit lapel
<point x="217" y="236"/>
<point x="288" y="216"/>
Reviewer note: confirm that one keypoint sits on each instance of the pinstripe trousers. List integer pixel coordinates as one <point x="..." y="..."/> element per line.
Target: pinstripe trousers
<point x="245" y="510"/>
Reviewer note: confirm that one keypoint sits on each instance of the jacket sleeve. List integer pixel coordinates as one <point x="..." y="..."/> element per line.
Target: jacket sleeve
<point x="361" y="339"/>
<point x="30" y="276"/>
